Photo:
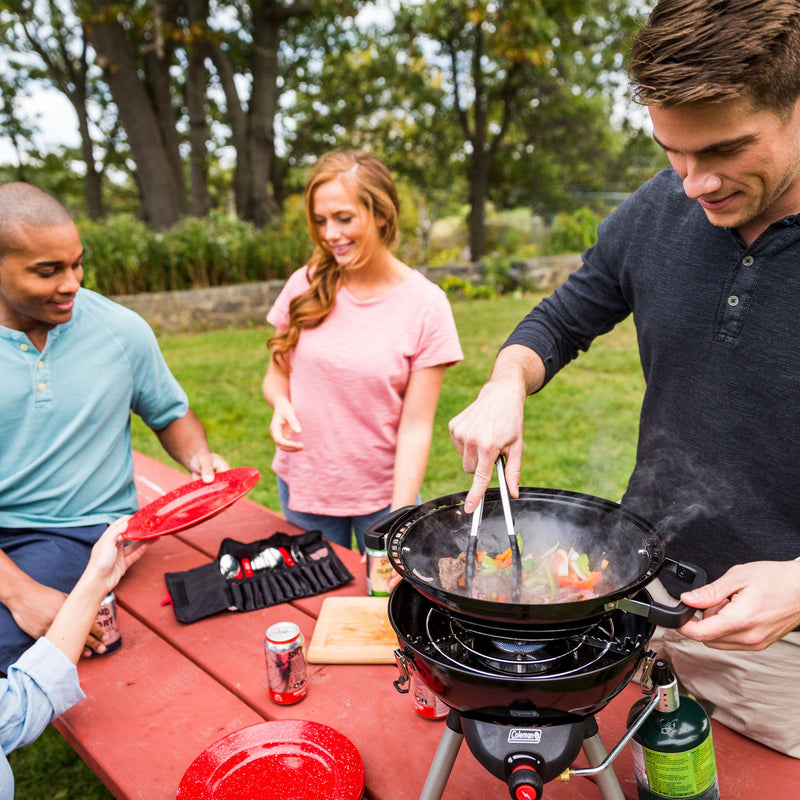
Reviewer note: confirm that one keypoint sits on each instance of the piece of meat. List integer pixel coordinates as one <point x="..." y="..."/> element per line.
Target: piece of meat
<point x="451" y="571"/>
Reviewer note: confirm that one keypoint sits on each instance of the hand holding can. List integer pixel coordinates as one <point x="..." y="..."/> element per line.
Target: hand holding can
<point x="107" y="620"/>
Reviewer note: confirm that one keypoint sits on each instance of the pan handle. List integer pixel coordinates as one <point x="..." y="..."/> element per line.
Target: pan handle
<point x="659" y="614"/>
<point x="375" y="535"/>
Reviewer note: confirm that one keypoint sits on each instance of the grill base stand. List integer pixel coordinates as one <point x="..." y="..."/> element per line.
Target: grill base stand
<point x="453" y="736"/>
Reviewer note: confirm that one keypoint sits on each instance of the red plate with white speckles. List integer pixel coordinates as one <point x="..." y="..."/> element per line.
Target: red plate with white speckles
<point x="191" y="504"/>
<point x="277" y="760"/>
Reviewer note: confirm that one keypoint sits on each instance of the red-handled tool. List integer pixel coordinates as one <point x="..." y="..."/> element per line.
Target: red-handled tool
<point x="287" y="559"/>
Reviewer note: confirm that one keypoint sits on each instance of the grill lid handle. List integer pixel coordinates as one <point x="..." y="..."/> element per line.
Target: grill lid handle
<point x="375" y="537"/>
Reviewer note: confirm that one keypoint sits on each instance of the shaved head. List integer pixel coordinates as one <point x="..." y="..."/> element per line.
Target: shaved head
<point x="24" y="205"/>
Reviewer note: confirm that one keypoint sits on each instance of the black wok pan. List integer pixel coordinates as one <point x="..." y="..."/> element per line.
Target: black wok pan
<point x="416" y="537"/>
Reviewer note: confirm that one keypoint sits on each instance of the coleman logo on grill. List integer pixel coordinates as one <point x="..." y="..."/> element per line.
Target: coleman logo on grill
<point x="527" y="735"/>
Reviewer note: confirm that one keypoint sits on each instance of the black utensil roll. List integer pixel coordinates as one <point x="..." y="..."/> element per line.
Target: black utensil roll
<point x="307" y="565"/>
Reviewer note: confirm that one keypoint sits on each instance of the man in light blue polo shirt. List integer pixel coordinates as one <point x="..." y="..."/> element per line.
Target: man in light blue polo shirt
<point x="73" y="365"/>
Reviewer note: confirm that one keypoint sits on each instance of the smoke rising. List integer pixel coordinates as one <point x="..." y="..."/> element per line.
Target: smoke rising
<point x="673" y="487"/>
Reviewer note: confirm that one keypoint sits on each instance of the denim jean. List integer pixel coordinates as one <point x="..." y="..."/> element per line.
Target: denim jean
<point x="339" y="530"/>
<point x="54" y="557"/>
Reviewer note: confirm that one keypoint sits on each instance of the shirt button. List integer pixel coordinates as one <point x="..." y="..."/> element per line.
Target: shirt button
<point x="42" y="387"/>
<point x="748" y="261"/>
<point x="40" y="364"/>
<point x="24" y="347"/>
<point x="733" y="301"/>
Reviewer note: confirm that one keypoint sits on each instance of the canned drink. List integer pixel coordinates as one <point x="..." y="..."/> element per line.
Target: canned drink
<point x="379" y="571"/>
<point x="107" y="620"/>
<point x="426" y="703"/>
<point x="287" y="677"/>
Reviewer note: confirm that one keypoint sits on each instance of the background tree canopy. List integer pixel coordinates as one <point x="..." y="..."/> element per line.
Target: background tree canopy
<point x="188" y="107"/>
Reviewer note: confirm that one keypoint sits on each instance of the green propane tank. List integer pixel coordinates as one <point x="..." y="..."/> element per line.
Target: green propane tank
<point x="673" y="753"/>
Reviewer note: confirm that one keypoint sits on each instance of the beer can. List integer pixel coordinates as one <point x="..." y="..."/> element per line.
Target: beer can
<point x="426" y="703"/>
<point x="107" y="620"/>
<point x="287" y="676"/>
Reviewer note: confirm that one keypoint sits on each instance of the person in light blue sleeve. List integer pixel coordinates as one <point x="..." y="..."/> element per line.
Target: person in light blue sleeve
<point x="43" y="683"/>
<point x="73" y="366"/>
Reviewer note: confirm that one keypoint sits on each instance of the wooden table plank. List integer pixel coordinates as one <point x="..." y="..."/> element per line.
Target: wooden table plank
<point x="148" y="713"/>
<point x="397" y="744"/>
<point x="360" y="701"/>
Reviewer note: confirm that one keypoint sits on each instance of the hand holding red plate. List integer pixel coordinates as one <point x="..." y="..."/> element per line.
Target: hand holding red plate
<point x="191" y="504"/>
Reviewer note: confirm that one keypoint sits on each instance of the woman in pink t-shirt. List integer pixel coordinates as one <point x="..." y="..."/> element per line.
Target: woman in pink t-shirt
<point x="358" y="357"/>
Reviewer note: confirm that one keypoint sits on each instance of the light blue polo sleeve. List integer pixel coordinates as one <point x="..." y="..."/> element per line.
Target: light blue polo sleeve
<point x="157" y="398"/>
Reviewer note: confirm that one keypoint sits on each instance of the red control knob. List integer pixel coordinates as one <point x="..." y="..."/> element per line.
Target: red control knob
<point x="525" y="783"/>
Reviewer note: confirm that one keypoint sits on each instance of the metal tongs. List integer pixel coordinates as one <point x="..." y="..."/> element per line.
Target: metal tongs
<point x="472" y="544"/>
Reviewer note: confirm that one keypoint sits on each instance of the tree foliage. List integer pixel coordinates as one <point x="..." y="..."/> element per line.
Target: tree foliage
<point x="525" y="85"/>
<point x="197" y="105"/>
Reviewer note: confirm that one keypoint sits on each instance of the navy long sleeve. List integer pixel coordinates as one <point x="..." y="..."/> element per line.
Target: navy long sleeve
<point x="718" y="328"/>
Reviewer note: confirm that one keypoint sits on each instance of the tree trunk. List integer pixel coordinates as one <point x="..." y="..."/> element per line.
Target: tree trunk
<point x="68" y="71"/>
<point x="196" y="84"/>
<point x="252" y="131"/>
<point x="93" y="190"/>
<point x="478" y="192"/>
<point x="76" y="89"/>
<point x="479" y="168"/>
<point x="146" y="121"/>
<point x="262" y="206"/>
<point x="237" y="119"/>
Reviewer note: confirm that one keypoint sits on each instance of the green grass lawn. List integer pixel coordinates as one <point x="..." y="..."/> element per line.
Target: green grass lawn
<point x="580" y="434"/>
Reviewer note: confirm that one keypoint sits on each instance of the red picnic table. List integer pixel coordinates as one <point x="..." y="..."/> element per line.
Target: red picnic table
<point x="172" y="689"/>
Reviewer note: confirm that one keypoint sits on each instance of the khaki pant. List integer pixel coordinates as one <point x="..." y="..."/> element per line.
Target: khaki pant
<point x="755" y="694"/>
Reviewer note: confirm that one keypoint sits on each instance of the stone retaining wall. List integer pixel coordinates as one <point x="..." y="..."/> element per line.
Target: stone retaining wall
<point x="248" y="303"/>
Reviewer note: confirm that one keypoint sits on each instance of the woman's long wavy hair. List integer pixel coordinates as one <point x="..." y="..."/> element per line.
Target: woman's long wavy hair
<point x="372" y="187"/>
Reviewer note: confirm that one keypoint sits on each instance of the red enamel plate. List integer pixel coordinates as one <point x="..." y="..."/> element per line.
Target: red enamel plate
<point x="191" y="504"/>
<point x="278" y="760"/>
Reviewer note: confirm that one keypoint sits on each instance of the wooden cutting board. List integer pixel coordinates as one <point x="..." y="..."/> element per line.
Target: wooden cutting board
<point x="353" y="630"/>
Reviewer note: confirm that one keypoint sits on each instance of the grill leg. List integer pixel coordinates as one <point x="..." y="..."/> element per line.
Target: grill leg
<point x="445" y="758"/>
<point x="607" y="782"/>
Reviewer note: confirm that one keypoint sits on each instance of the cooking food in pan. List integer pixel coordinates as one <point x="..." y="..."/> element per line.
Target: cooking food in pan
<point x="416" y="539"/>
<point x="557" y="575"/>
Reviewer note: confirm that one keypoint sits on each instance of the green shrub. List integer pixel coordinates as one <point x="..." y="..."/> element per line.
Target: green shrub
<point x="451" y="255"/>
<point x="573" y="233"/>
<point x="500" y="272"/>
<point x="506" y="235"/>
<point x="459" y="287"/>
<point x="125" y="256"/>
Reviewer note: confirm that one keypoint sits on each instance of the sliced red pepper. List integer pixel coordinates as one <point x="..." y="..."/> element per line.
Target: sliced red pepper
<point x="572" y="582"/>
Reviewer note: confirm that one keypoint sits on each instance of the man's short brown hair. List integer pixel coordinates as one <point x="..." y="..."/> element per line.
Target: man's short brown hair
<point x="715" y="50"/>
